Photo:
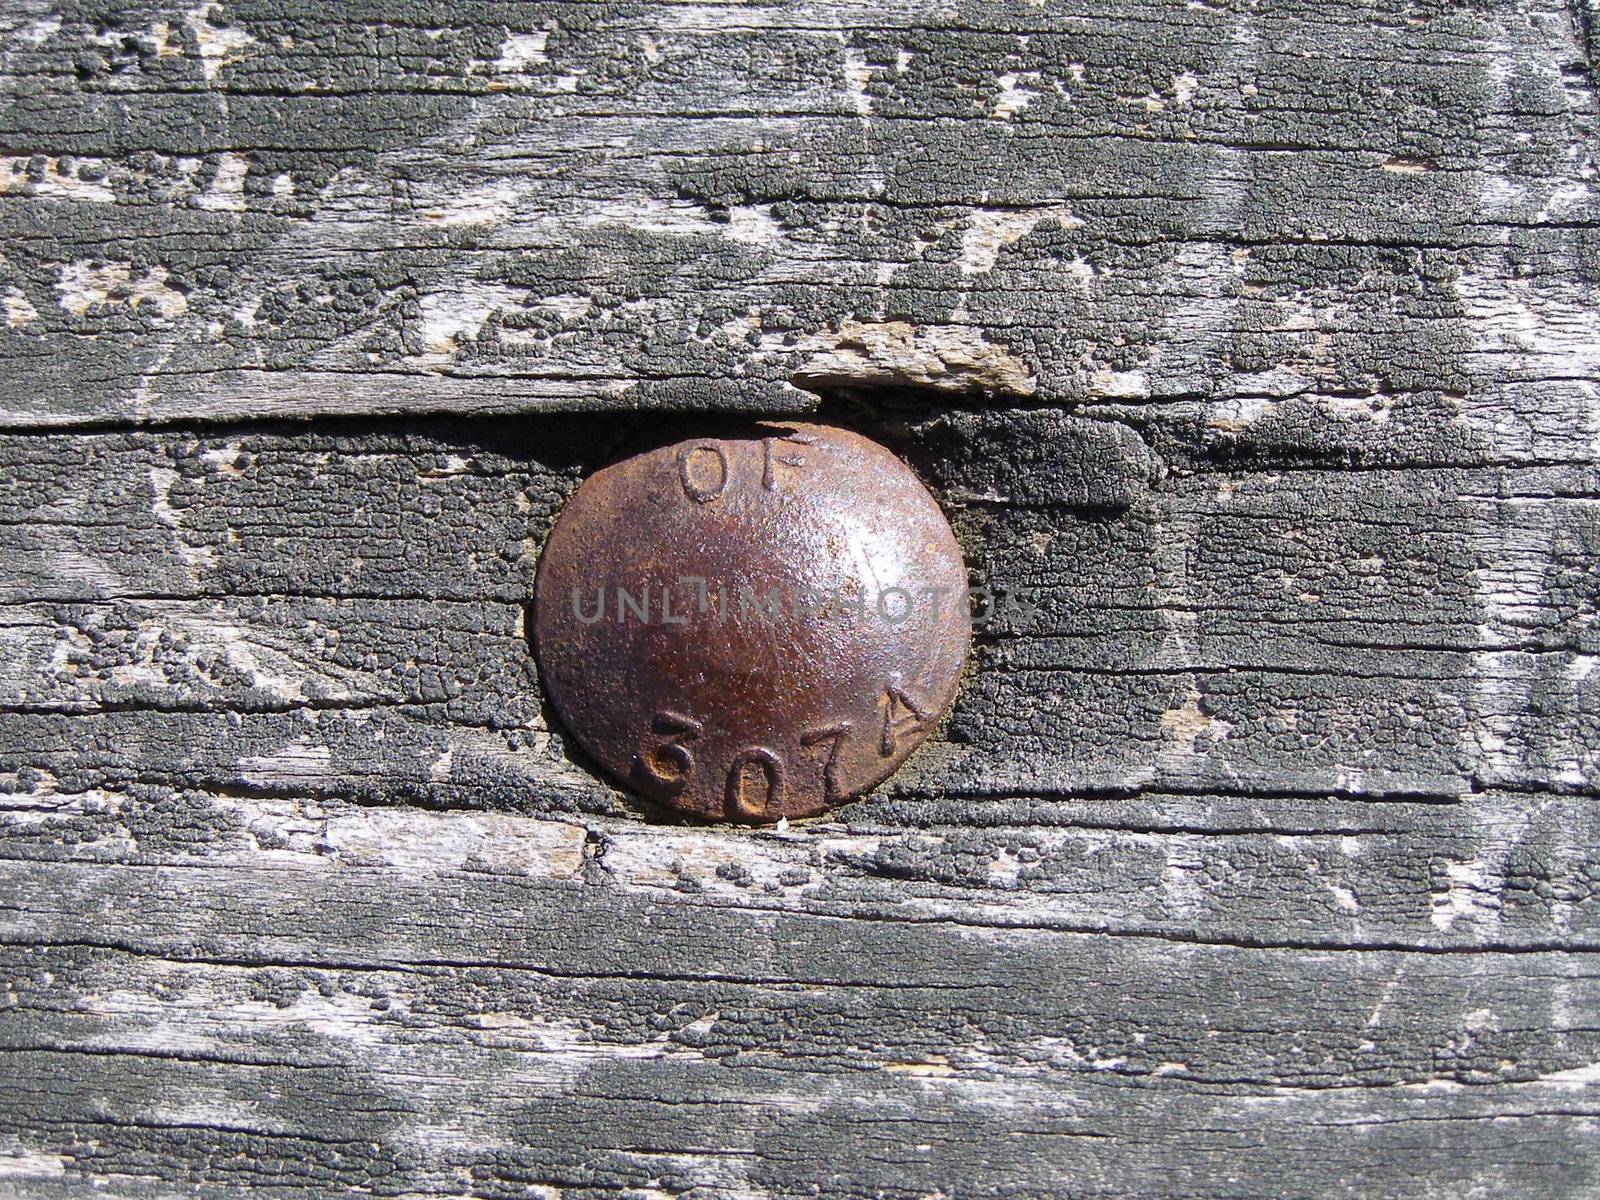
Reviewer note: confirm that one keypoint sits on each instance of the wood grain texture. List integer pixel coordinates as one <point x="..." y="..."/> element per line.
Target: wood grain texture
<point x="1253" y="345"/>
<point x="1326" y="227"/>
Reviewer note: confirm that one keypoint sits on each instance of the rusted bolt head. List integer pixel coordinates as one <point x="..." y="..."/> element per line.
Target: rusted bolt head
<point x="752" y="626"/>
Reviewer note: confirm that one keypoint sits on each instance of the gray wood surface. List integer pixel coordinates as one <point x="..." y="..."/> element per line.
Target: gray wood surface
<point x="1256" y="345"/>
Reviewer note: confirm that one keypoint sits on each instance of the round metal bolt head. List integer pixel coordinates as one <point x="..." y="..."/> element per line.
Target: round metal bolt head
<point x="752" y="626"/>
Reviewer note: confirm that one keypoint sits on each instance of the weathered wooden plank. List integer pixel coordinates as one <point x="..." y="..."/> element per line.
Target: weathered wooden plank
<point x="262" y="617"/>
<point x="369" y="1030"/>
<point x="778" y="1136"/>
<point x="372" y="960"/>
<point x="1488" y="872"/>
<point x="1303" y="231"/>
<point x="344" y="612"/>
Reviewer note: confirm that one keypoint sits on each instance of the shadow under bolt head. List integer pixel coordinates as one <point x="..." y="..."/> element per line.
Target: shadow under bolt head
<point x="752" y="626"/>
